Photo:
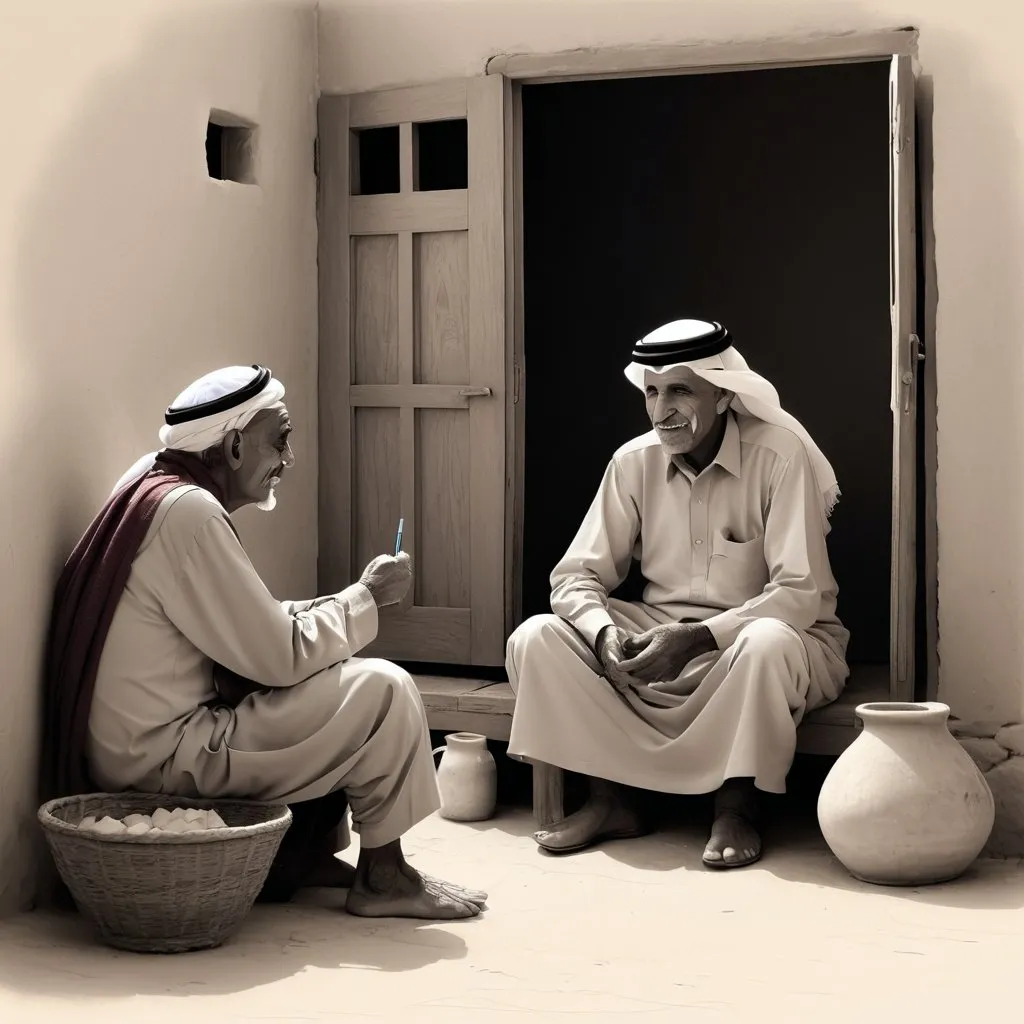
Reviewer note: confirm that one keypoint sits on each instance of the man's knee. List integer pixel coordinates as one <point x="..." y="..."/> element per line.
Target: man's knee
<point x="390" y="679"/>
<point x="769" y="640"/>
<point x="536" y="629"/>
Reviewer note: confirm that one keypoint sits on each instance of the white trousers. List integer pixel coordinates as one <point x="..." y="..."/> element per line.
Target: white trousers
<point x="359" y="726"/>
<point x="730" y="714"/>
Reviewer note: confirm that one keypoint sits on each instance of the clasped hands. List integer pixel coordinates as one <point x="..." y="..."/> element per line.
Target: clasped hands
<point x="657" y="655"/>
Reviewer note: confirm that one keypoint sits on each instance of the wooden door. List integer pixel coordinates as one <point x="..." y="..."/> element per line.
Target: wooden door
<point x="412" y="360"/>
<point x="906" y="357"/>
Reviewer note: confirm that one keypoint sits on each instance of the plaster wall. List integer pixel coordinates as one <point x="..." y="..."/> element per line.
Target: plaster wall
<point x="125" y="273"/>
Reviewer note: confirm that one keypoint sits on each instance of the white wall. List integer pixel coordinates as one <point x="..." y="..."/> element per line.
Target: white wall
<point x="124" y="274"/>
<point x="971" y="53"/>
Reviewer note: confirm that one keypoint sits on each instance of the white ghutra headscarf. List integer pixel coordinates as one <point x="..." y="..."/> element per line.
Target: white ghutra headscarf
<point x="209" y="409"/>
<point x="706" y="349"/>
<point x="213" y="406"/>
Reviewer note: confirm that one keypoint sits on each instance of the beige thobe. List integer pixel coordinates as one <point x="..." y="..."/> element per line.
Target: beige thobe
<point x="741" y="547"/>
<point x="328" y="721"/>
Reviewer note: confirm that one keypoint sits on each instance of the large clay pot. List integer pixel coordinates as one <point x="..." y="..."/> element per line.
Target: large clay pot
<point x="905" y="804"/>
<point x="467" y="778"/>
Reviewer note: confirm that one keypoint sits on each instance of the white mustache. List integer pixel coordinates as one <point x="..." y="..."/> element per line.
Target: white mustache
<point x="691" y="422"/>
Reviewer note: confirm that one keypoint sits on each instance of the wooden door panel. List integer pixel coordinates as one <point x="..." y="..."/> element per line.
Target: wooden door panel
<point x="374" y="309"/>
<point x="376" y="486"/>
<point x="441" y="270"/>
<point x="413" y="370"/>
<point x="443" y="452"/>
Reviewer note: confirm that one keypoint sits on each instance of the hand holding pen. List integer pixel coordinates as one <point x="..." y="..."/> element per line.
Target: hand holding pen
<point x="388" y="577"/>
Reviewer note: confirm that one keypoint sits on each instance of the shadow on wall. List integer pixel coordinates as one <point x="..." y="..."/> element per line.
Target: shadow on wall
<point x="136" y="273"/>
<point x="431" y="40"/>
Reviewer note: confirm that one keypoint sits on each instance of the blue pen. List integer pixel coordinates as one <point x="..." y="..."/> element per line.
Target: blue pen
<point x="398" y="539"/>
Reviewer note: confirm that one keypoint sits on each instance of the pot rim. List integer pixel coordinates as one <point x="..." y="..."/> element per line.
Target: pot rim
<point x="898" y="712"/>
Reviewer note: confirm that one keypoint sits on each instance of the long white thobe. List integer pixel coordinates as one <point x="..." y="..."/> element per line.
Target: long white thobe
<point x="741" y="547"/>
<point x="328" y="721"/>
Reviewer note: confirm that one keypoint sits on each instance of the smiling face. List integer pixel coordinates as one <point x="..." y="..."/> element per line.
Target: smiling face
<point x="685" y="410"/>
<point x="258" y="457"/>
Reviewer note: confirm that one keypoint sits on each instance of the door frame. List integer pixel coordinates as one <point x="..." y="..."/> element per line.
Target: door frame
<point x="598" y="64"/>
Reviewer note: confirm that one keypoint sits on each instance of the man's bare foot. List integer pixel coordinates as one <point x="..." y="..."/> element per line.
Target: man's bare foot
<point x="386" y="886"/>
<point x="734" y="842"/>
<point x="604" y="816"/>
<point x="474" y="896"/>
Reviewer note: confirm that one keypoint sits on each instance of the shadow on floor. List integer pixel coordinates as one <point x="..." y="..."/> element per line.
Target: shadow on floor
<point x="791" y="829"/>
<point x="57" y="954"/>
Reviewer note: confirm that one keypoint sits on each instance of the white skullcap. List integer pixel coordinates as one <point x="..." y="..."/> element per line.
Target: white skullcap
<point x="222" y="401"/>
<point x="706" y="349"/>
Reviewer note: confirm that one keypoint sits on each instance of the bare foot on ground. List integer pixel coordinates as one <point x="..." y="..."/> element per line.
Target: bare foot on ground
<point x="386" y="886"/>
<point x="734" y="842"/>
<point x="598" y="820"/>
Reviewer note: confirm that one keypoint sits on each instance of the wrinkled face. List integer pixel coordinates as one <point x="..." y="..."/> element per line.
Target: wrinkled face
<point x="684" y="408"/>
<point x="259" y="455"/>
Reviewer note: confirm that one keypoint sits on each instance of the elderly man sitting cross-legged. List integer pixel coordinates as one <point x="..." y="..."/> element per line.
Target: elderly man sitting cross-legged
<point x="173" y="670"/>
<point x="699" y="687"/>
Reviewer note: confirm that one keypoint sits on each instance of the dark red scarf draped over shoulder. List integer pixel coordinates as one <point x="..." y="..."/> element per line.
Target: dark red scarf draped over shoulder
<point x="87" y="595"/>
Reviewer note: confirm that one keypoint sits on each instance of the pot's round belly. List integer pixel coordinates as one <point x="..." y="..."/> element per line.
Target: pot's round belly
<point x="906" y="807"/>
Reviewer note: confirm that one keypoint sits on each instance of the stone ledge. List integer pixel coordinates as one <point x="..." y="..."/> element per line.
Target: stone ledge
<point x="997" y="749"/>
<point x="985" y="752"/>
<point x="1006" y="780"/>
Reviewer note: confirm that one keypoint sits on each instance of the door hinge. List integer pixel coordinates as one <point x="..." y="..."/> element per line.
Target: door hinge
<point x="915" y="353"/>
<point x="897" y="129"/>
<point x="516" y="374"/>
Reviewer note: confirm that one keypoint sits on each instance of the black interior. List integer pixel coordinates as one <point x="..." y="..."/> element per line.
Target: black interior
<point x="756" y="198"/>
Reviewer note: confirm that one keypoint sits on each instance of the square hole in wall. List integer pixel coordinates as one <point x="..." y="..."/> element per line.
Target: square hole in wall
<point x="442" y="155"/>
<point x="376" y="170"/>
<point x="231" y="148"/>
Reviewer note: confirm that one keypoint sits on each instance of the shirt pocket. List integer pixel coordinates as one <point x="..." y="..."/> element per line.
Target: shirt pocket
<point x="737" y="570"/>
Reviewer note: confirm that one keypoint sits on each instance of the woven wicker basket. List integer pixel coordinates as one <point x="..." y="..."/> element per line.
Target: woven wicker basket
<point x="165" y="893"/>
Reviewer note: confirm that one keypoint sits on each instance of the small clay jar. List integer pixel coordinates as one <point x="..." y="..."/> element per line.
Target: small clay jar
<point x="467" y="778"/>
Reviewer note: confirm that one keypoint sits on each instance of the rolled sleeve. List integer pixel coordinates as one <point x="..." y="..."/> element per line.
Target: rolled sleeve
<point x="361" y="616"/>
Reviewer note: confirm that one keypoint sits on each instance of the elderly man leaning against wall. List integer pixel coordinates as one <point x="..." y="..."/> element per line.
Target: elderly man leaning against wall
<point x="172" y="669"/>
<point x="699" y="687"/>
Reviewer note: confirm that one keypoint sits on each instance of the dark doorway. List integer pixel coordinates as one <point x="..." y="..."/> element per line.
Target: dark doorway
<point x="758" y="198"/>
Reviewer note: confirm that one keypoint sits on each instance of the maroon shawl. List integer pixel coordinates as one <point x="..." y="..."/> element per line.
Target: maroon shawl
<point x="87" y="595"/>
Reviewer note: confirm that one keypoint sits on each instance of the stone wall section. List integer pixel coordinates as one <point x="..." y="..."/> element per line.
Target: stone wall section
<point x="998" y="750"/>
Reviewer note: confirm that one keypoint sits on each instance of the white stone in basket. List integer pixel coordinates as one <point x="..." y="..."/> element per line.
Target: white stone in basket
<point x="109" y="826"/>
<point x="178" y="821"/>
<point x="161" y="817"/>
